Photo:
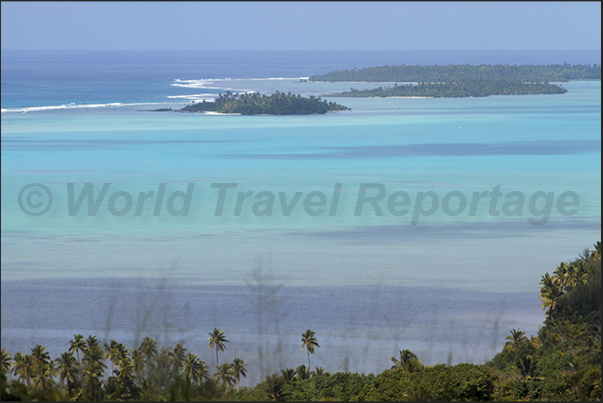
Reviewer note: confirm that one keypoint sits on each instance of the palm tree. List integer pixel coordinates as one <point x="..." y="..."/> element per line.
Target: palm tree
<point x="239" y="368"/>
<point x="515" y="340"/>
<point x="40" y="356"/>
<point x="525" y="367"/>
<point x="580" y="273"/>
<point x="67" y="368"/>
<point x="112" y="353"/>
<point x="76" y="345"/>
<point x="93" y="353"/>
<point x="302" y="372"/>
<point x="289" y="375"/>
<point x="113" y="389"/>
<point x="563" y="276"/>
<point x="192" y="368"/>
<point x="318" y="371"/>
<point x="177" y="355"/>
<point x="549" y="292"/>
<point x="124" y="370"/>
<point x="24" y="367"/>
<point x="93" y="368"/>
<point x="408" y="361"/>
<point x="595" y="255"/>
<point x="225" y="376"/>
<point x="6" y="361"/>
<point x="137" y="360"/>
<point x="148" y="348"/>
<point x="309" y="342"/>
<point x="92" y="342"/>
<point x="204" y="374"/>
<point x="217" y="338"/>
<point x="276" y="388"/>
<point x="92" y="374"/>
<point x="44" y="375"/>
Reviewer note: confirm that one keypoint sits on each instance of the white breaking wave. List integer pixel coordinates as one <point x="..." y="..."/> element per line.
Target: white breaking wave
<point x="197" y="85"/>
<point x="205" y="82"/>
<point x="242" y="79"/>
<point x="74" y="106"/>
<point x="192" y="96"/>
<point x="205" y="97"/>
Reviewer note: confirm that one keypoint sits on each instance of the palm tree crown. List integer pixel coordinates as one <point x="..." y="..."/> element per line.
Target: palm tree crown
<point x="67" y="367"/>
<point x="408" y="361"/>
<point x="239" y="368"/>
<point x="195" y="369"/>
<point x="177" y="355"/>
<point x="24" y="367"/>
<point x="6" y="361"/>
<point x="148" y="348"/>
<point x="217" y="338"/>
<point x="515" y="340"/>
<point x="77" y="344"/>
<point x="309" y="342"/>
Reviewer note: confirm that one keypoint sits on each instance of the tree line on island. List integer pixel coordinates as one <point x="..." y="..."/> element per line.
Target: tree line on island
<point x="562" y="362"/>
<point x="457" y="89"/>
<point x="462" y="80"/>
<point x="466" y="72"/>
<point x="255" y="104"/>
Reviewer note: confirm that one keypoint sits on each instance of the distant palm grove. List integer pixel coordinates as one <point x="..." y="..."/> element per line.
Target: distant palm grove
<point x="482" y="88"/>
<point x="563" y="362"/>
<point x="256" y="104"/>
<point x="455" y="81"/>
<point x="465" y="72"/>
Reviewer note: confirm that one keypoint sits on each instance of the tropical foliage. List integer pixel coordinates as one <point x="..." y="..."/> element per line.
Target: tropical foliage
<point x="408" y="361"/>
<point x="309" y="342"/>
<point x="458" y="89"/>
<point x="255" y="104"/>
<point x="562" y="362"/>
<point x="465" y="72"/>
<point x="217" y="338"/>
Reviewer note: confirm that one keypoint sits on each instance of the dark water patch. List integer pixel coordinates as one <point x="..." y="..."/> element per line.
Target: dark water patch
<point x="558" y="147"/>
<point x="434" y="231"/>
<point x="49" y="304"/>
<point x="40" y="145"/>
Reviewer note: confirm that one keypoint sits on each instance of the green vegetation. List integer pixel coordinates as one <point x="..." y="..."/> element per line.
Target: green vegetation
<point x="463" y="80"/>
<point x="309" y="342"/>
<point x="563" y="362"/>
<point x="466" y="72"/>
<point x="217" y="338"/>
<point x="482" y="88"/>
<point x="256" y="104"/>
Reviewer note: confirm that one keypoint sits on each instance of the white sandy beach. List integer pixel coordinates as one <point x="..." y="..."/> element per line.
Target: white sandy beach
<point x="219" y="113"/>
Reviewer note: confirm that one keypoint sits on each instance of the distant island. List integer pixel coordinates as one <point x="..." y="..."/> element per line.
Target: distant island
<point x="455" y="81"/>
<point x="255" y="104"/>
<point x="465" y="72"/>
<point x="457" y="89"/>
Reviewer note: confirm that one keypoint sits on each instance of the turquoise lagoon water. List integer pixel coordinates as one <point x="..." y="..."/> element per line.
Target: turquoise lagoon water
<point x="448" y="288"/>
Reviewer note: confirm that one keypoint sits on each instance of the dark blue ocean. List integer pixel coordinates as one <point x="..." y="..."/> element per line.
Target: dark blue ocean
<point x="41" y="78"/>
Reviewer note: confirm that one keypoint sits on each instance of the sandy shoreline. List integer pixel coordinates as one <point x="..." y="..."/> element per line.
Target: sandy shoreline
<point x="402" y="97"/>
<point x="365" y="82"/>
<point x="220" y="113"/>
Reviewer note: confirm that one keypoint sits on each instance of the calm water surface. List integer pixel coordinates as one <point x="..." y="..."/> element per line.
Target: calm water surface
<point x="449" y="288"/>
